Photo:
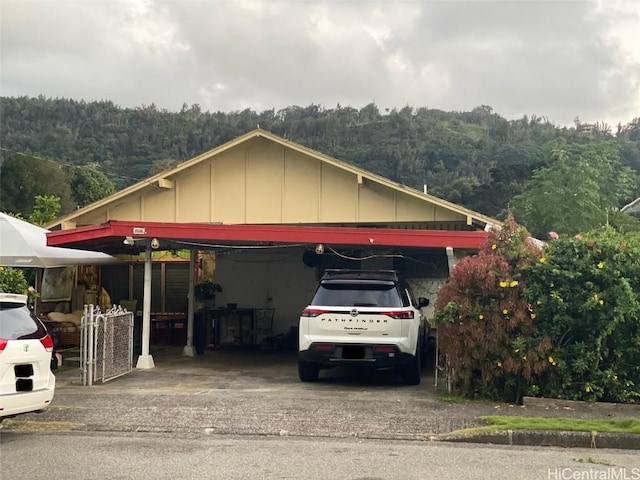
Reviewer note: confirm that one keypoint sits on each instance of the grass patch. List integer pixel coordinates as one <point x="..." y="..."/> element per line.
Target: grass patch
<point x="504" y="422"/>
<point x="458" y="399"/>
<point x="475" y="431"/>
<point x="449" y="398"/>
<point x="65" y="367"/>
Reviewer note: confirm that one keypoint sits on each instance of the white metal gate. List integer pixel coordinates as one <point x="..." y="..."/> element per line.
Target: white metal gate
<point x="106" y="344"/>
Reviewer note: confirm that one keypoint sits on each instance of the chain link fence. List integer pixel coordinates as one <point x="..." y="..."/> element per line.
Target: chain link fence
<point x="106" y="344"/>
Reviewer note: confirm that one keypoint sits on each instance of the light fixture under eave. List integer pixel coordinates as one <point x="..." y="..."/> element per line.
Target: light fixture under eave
<point x="129" y="241"/>
<point x="319" y="249"/>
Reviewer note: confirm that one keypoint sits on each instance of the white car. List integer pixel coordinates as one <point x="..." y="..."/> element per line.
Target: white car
<point x="366" y="319"/>
<point x="26" y="381"/>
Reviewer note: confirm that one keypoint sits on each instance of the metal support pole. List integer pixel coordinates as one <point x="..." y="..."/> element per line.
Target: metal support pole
<point x="90" y="342"/>
<point x="146" y="360"/>
<point x="189" y="349"/>
<point x="84" y="354"/>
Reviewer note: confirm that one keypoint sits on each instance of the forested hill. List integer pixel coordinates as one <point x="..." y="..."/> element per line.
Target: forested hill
<point x="477" y="159"/>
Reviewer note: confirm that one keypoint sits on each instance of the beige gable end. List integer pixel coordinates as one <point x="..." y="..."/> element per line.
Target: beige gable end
<point x="261" y="178"/>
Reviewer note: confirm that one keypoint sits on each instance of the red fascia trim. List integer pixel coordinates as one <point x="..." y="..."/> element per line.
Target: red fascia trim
<point x="204" y="232"/>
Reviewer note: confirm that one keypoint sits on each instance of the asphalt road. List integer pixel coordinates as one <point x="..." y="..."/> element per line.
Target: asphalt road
<point x="90" y="455"/>
<point x="232" y="415"/>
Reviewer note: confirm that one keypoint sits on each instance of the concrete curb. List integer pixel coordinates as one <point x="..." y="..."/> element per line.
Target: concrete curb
<point x="546" y="438"/>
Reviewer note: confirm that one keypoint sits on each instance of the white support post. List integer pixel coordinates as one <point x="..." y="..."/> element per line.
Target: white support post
<point x="145" y="360"/>
<point x="90" y="342"/>
<point x="189" y="349"/>
<point x="451" y="258"/>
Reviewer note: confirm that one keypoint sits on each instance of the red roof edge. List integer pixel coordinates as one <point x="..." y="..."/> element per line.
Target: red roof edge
<point x="117" y="230"/>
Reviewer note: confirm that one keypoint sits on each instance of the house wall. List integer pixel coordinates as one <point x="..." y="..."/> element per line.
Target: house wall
<point x="263" y="182"/>
<point x="279" y="279"/>
<point x="272" y="279"/>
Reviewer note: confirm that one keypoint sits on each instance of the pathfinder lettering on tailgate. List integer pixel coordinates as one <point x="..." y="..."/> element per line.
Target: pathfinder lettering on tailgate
<point x="354" y="320"/>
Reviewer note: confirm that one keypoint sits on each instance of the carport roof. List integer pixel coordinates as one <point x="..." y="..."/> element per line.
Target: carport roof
<point x="110" y="237"/>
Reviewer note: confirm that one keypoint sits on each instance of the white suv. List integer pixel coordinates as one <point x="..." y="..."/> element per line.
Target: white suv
<point x="26" y="381"/>
<point x="363" y="318"/>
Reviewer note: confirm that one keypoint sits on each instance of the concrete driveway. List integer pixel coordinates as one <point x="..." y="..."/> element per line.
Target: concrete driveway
<point x="258" y="393"/>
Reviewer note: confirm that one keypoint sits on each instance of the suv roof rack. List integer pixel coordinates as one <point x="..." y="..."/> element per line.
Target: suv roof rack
<point x="336" y="274"/>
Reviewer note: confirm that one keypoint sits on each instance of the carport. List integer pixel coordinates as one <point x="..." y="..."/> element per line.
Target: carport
<point x="134" y="237"/>
<point x="264" y="200"/>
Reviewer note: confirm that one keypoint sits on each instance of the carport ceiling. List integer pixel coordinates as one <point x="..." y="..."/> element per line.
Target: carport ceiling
<point x="128" y="237"/>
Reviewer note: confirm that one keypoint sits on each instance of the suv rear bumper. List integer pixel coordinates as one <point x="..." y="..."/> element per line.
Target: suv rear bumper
<point x="326" y="355"/>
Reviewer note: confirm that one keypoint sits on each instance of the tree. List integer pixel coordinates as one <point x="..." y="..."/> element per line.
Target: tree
<point x="413" y="146"/>
<point x="23" y="178"/>
<point x="576" y="192"/>
<point x="90" y="185"/>
<point x="562" y="321"/>
<point x="162" y="165"/>
<point x="45" y="209"/>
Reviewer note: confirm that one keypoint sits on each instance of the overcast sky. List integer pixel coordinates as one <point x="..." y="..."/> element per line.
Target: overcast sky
<point x="556" y="59"/>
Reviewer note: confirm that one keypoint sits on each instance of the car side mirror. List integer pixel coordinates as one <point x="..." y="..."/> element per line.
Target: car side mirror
<point x="423" y="302"/>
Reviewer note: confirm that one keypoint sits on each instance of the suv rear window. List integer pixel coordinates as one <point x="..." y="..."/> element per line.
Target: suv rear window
<point x="16" y="322"/>
<point x="358" y="294"/>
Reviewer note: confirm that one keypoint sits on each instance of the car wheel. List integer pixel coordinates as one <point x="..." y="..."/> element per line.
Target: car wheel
<point x="412" y="372"/>
<point x="308" y="372"/>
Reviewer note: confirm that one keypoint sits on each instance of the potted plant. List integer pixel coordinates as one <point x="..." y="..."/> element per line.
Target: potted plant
<point x="205" y="292"/>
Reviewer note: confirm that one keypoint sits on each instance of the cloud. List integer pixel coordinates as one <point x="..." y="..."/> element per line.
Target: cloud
<point x="553" y="59"/>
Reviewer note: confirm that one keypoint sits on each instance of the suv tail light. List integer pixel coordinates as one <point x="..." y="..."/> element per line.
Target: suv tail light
<point x="313" y="312"/>
<point x="385" y="348"/>
<point x="47" y="343"/>
<point x="3" y="344"/>
<point x="399" y="314"/>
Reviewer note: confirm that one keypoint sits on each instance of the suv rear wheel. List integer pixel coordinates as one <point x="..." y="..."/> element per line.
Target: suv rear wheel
<point x="412" y="371"/>
<point x="308" y="372"/>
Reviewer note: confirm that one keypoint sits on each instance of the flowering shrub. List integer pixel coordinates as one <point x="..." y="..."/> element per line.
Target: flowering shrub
<point x="485" y="324"/>
<point x="562" y="322"/>
<point x="586" y="298"/>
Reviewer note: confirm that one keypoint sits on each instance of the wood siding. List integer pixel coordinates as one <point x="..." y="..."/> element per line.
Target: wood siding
<point x="265" y="182"/>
